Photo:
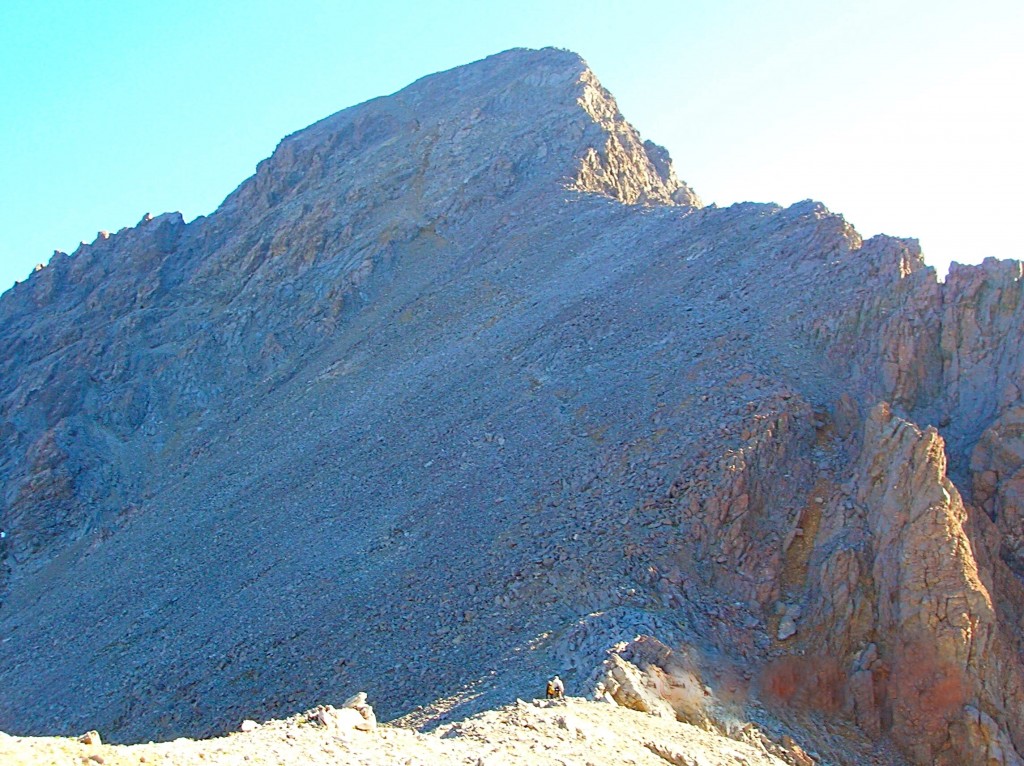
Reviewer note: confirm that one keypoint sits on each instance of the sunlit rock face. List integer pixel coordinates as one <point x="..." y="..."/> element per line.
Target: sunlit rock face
<point x="462" y="388"/>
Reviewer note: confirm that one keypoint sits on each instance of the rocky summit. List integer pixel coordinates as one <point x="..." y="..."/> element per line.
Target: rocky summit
<point x="465" y="388"/>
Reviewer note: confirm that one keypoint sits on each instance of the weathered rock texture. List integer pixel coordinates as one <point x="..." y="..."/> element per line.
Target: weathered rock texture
<point x="648" y="676"/>
<point x="463" y="387"/>
<point x="935" y="619"/>
<point x="569" y="733"/>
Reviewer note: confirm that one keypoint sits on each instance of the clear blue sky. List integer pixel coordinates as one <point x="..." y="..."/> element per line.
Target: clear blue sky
<point x="906" y="117"/>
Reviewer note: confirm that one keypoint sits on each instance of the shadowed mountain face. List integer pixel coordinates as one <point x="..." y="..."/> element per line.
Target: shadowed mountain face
<point x="464" y="386"/>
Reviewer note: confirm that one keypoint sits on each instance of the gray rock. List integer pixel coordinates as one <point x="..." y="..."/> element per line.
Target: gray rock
<point x="209" y="431"/>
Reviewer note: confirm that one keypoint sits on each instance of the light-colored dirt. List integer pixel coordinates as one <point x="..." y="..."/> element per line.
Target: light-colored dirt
<point x="536" y="733"/>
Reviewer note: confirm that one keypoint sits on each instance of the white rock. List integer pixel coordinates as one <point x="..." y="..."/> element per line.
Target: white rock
<point x="356" y="700"/>
<point x="787" y="627"/>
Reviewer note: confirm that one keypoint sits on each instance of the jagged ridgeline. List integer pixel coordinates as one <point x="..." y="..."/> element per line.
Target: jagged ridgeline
<point x="465" y="386"/>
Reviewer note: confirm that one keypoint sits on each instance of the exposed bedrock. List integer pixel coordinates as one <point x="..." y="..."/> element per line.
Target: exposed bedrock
<point x="997" y="467"/>
<point x="463" y="385"/>
<point x="983" y="369"/>
<point x="884" y="595"/>
<point x="901" y="596"/>
<point x="939" y="352"/>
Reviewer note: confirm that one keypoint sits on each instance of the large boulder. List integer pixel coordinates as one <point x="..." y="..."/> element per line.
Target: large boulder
<point x="648" y="676"/>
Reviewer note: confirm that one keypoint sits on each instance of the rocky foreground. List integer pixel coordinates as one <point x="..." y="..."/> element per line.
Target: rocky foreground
<point x="572" y="732"/>
<point x="649" y="705"/>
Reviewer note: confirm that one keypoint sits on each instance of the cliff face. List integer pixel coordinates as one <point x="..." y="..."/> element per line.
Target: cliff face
<point x="949" y="660"/>
<point x="464" y="386"/>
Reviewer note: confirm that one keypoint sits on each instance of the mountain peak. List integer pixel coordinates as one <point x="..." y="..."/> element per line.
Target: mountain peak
<point x="522" y="121"/>
<point x="453" y="395"/>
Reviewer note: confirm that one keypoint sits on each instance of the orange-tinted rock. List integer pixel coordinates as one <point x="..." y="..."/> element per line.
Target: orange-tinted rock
<point x="938" y="629"/>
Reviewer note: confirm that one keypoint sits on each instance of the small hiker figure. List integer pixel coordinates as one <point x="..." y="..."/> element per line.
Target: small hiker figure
<point x="556" y="689"/>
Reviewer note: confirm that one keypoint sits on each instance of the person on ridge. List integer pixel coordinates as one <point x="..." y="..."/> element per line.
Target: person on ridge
<point x="556" y="689"/>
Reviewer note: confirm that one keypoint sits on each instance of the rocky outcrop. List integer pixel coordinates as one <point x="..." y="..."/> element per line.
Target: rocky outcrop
<point x="983" y="374"/>
<point x="907" y="601"/>
<point x="997" y="467"/>
<point x="648" y="676"/>
<point x="468" y="385"/>
<point x="355" y="714"/>
<point x="886" y="335"/>
<point x="936" y="351"/>
<point x="743" y="510"/>
<point x="624" y="167"/>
